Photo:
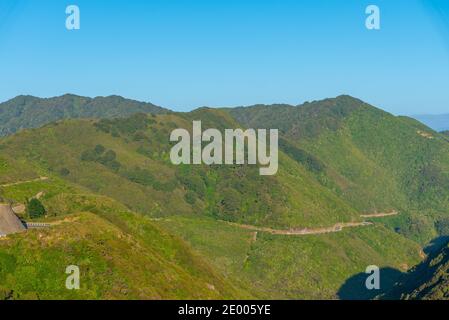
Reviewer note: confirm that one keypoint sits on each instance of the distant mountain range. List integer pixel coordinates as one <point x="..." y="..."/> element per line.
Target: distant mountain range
<point x="24" y="112"/>
<point x="32" y="112"/>
<point x="436" y="122"/>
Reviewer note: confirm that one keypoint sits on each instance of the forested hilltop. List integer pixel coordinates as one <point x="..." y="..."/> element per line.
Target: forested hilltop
<point x="25" y="112"/>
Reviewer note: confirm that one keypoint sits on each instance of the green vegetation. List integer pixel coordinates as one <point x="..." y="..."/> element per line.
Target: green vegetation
<point x="146" y="182"/>
<point x="121" y="255"/>
<point x="31" y="112"/>
<point x="134" y="125"/>
<point x="121" y="208"/>
<point x="445" y="135"/>
<point x="129" y="260"/>
<point x="35" y="209"/>
<point x="374" y="161"/>
<point x="283" y="267"/>
<point x="100" y="155"/>
<point x="306" y="159"/>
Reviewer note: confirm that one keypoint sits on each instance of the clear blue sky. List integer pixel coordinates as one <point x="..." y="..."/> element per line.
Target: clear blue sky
<point x="184" y="54"/>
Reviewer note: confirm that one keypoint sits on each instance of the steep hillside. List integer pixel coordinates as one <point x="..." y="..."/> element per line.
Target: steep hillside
<point x="128" y="160"/>
<point x="296" y="267"/>
<point x="434" y="283"/>
<point x="428" y="280"/>
<point x="121" y="255"/>
<point x="373" y="160"/>
<point x="267" y="266"/>
<point x="31" y="112"/>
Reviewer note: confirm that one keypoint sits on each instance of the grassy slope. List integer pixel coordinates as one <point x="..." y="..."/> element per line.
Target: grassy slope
<point x="286" y="267"/>
<point x="300" y="195"/>
<point x="121" y="255"/>
<point x="270" y="267"/>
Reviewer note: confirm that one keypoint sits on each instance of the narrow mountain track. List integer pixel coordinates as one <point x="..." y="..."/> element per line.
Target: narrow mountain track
<point x="380" y="215"/>
<point x="304" y="231"/>
<point x="312" y="231"/>
<point x="23" y="182"/>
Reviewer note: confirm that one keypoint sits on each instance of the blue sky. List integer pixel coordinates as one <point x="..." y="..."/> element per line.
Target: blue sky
<point x="184" y="54"/>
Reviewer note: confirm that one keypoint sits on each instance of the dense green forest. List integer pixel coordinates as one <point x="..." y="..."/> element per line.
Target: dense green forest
<point x="30" y="112"/>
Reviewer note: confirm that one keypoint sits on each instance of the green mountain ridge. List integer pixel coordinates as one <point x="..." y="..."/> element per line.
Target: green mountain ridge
<point x="25" y="112"/>
<point x="339" y="159"/>
<point x="374" y="160"/>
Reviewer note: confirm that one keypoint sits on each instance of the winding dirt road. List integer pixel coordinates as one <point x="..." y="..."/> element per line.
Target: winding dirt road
<point x="22" y="182"/>
<point x="380" y="215"/>
<point x="310" y="231"/>
<point x="304" y="231"/>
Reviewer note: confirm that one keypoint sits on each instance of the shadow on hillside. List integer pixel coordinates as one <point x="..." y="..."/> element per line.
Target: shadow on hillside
<point x="436" y="245"/>
<point x="422" y="272"/>
<point x="393" y="283"/>
<point x="355" y="288"/>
